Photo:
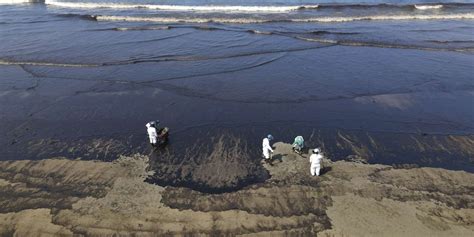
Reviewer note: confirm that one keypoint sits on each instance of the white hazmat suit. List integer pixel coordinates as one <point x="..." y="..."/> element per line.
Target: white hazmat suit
<point x="315" y="160"/>
<point x="152" y="134"/>
<point x="266" y="148"/>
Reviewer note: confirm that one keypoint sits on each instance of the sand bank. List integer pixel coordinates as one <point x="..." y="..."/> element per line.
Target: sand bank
<point x="66" y="197"/>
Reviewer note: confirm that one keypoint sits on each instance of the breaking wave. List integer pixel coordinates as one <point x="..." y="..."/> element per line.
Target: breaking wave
<point x="208" y="8"/>
<point x="179" y="20"/>
<point x="466" y="16"/>
<point x="428" y="7"/>
<point x="252" y="9"/>
<point x="16" y="1"/>
<point x="142" y="28"/>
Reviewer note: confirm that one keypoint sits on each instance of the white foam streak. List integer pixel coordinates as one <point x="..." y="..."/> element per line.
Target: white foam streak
<point x="209" y="8"/>
<point x="389" y="17"/>
<point x="17" y="1"/>
<point x="467" y="16"/>
<point x="428" y="7"/>
<point x="179" y="20"/>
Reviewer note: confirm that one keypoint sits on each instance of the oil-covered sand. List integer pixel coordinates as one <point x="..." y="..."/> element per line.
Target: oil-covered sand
<point x="94" y="198"/>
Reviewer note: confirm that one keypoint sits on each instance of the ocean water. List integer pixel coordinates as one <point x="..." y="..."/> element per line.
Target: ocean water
<point x="392" y="81"/>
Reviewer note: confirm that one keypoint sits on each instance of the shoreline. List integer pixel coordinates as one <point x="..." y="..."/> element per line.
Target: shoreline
<point x="65" y="197"/>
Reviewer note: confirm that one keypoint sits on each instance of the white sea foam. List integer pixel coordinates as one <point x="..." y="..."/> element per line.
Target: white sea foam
<point x="466" y="16"/>
<point x="180" y="20"/>
<point x="208" y="8"/>
<point x="143" y="28"/>
<point x="428" y="7"/>
<point x="18" y="1"/>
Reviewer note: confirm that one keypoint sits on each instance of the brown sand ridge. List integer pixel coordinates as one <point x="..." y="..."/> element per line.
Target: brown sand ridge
<point x="61" y="197"/>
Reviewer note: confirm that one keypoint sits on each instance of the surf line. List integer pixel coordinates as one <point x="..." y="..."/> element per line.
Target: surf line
<point x="30" y="63"/>
<point x="378" y="45"/>
<point x="404" y="17"/>
<point x="184" y="8"/>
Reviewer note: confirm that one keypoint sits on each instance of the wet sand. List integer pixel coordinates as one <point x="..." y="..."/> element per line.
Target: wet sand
<point x="393" y="111"/>
<point x="94" y="198"/>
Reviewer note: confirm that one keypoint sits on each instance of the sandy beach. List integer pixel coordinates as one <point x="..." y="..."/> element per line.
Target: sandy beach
<point x="65" y="197"/>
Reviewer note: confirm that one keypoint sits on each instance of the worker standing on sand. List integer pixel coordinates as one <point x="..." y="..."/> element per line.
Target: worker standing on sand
<point x="266" y="148"/>
<point x="315" y="160"/>
<point x="152" y="134"/>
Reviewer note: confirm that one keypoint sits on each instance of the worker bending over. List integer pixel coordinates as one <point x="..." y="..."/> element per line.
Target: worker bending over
<point x="298" y="144"/>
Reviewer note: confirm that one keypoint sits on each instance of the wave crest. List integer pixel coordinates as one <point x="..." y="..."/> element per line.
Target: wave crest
<point x="466" y="16"/>
<point x="250" y="8"/>
<point x="208" y="8"/>
<point x="428" y="7"/>
<point x="18" y="1"/>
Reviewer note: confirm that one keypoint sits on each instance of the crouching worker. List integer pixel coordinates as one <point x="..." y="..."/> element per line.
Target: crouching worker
<point x="315" y="159"/>
<point x="266" y="148"/>
<point x="298" y="144"/>
<point x="152" y="134"/>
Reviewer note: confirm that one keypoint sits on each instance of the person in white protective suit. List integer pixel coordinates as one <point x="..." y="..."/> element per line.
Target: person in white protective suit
<point x="152" y="134"/>
<point x="315" y="159"/>
<point x="266" y="148"/>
